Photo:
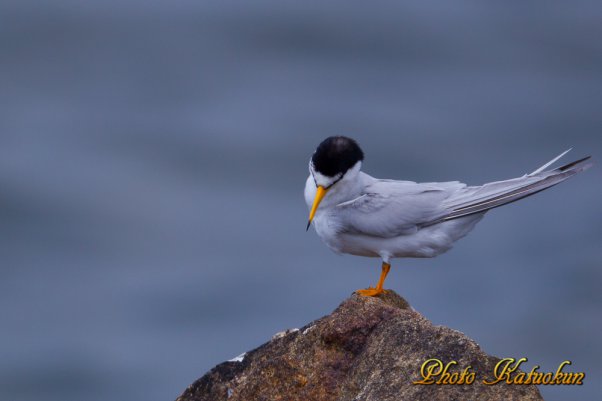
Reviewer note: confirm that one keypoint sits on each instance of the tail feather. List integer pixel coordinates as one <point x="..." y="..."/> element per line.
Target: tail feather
<point x="570" y="165"/>
<point x="548" y="164"/>
<point x="480" y="199"/>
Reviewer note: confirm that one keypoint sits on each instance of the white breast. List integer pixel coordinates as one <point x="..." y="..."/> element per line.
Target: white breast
<point x="427" y="242"/>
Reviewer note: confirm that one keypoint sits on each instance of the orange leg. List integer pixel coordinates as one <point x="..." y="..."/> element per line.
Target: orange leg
<point x="372" y="292"/>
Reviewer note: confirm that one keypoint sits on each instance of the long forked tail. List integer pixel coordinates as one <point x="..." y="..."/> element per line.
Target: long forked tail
<point x="494" y="194"/>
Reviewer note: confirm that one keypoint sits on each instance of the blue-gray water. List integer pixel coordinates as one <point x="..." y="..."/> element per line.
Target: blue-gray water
<point x="153" y="156"/>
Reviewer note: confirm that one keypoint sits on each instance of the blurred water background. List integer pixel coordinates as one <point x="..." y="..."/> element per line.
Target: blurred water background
<point x="153" y="156"/>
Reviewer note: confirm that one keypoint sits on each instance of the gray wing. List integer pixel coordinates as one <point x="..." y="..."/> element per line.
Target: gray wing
<point x="390" y="208"/>
<point x="473" y="200"/>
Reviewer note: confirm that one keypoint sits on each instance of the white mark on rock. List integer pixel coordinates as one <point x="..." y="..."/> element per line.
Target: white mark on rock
<point x="239" y="358"/>
<point x="283" y="333"/>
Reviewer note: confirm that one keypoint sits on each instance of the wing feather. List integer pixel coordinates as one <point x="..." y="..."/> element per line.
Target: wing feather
<point x="389" y="208"/>
<point x="480" y="199"/>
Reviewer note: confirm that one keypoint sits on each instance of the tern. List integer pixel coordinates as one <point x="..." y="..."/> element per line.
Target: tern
<point x="357" y="214"/>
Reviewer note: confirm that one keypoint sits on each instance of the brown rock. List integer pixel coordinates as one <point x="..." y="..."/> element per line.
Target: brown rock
<point x="368" y="349"/>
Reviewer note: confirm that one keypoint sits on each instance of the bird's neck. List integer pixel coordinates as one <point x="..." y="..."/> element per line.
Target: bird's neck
<point x="345" y="190"/>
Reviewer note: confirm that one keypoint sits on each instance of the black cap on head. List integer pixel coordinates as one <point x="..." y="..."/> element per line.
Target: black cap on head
<point x="336" y="154"/>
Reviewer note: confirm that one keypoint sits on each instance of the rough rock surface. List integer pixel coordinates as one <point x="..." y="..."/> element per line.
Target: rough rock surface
<point x="368" y="349"/>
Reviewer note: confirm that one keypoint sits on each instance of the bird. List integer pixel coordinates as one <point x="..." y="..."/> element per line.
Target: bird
<point x="355" y="213"/>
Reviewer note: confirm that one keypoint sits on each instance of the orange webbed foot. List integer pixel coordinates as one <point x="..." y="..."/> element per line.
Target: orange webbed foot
<point x="370" y="292"/>
<point x="374" y="292"/>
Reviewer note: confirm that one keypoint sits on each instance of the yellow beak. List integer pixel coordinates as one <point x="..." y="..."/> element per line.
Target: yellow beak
<point x="321" y="191"/>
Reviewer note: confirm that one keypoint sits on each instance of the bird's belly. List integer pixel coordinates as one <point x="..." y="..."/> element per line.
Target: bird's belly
<point x="403" y="246"/>
<point x="426" y="242"/>
<point x="371" y="246"/>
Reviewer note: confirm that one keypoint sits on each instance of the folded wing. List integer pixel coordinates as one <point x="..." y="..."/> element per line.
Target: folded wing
<point x="471" y="200"/>
<point x="390" y="208"/>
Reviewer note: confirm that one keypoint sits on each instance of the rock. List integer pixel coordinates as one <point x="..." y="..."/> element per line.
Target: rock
<point x="368" y="349"/>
